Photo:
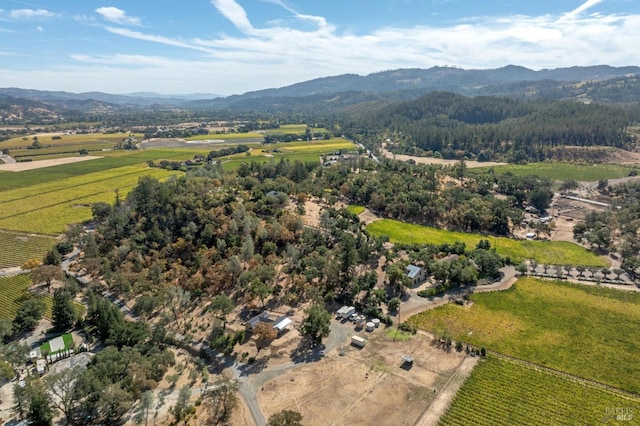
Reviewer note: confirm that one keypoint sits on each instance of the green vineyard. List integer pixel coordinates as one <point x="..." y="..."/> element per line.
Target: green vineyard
<point x="18" y="248"/>
<point x="564" y="326"/>
<point x="502" y="392"/>
<point x="15" y="290"/>
<point x="48" y="208"/>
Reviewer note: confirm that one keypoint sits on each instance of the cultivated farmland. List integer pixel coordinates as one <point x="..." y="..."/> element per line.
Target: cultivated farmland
<point x="586" y="331"/>
<point x="15" y="290"/>
<point x="48" y="208"/>
<point x="548" y="252"/>
<point x="564" y="171"/>
<point x="503" y="392"/>
<point x="17" y="248"/>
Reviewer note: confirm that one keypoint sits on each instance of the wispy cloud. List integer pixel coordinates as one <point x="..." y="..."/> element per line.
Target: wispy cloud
<point x="29" y="14"/>
<point x="117" y="16"/>
<point x="234" y="13"/>
<point x="156" y="39"/>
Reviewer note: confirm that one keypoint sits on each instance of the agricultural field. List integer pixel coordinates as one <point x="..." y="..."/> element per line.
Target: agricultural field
<point x="299" y="129"/>
<point x="291" y="151"/>
<point x="226" y="136"/>
<point x="17" y="248"/>
<point x="564" y="171"/>
<point x="15" y="290"/>
<point x="502" y="392"/>
<point x="49" y="207"/>
<point x="591" y="332"/>
<point x="68" y="144"/>
<point x="354" y="209"/>
<point x="548" y="252"/>
<point x="110" y="160"/>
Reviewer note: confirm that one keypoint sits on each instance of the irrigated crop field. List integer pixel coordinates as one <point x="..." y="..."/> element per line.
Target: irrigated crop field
<point x="68" y="144"/>
<point x="503" y="392"/>
<point x="565" y="171"/>
<point x="13" y="291"/>
<point x="587" y="331"/>
<point x="549" y="252"/>
<point x="48" y="208"/>
<point x="291" y="151"/>
<point x="17" y="248"/>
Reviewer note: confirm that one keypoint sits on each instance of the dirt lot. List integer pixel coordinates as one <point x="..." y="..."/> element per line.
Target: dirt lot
<point x="431" y="160"/>
<point x="31" y="165"/>
<point x="364" y="386"/>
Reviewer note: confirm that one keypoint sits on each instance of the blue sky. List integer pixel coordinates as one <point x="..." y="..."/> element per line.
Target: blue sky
<point x="233" y="46"/>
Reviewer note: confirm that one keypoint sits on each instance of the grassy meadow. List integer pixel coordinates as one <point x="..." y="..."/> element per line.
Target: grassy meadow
<point x="591" y="332"/>
<point x="549" y="252"/>
<point x="502" y="392"/>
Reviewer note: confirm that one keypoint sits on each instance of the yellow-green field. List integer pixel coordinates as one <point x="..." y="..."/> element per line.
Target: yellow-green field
<point x="17" y="248"/>
<point x="354" y="209"/>
<point x="588" y="331"/>
<point x="549" y="252"/>
<point x="49" y="207"/>
<point x="503" y="392"/>
<point x="15" y="290"/>
<point x="304" y="151"/>
<point x="226" y="136"/>
<point x="69" y="144"/>
<point x="299" y="129"/>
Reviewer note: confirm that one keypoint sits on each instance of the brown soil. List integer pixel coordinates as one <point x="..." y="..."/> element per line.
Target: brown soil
<point x="431" y="160"/>
<point x="32" y="165"/>
<point x="364" y="386"/>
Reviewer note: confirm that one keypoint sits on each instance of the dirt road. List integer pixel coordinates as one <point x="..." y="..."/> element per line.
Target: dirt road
<point x="431" y="160"/>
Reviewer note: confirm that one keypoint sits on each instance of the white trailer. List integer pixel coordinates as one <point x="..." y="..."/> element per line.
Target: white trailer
<point x="358" y="341"/>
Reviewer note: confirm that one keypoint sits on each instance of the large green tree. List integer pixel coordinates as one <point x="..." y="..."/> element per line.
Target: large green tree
<point x="63" y="313"/>
<point x="316" y="324"/>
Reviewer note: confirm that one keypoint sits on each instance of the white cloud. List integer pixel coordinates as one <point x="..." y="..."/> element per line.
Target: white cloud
<point x="117" y="16"/>
<point x="39" y="28"/>
<point x="30" y="14"/>
<point x="278" y="54"/>
<point x="234" y="13"/>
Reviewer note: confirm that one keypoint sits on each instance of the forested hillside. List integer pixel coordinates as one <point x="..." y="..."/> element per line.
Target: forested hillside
<point x="496" y="128"/>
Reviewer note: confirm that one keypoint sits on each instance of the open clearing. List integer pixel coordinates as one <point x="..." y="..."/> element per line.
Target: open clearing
<point x="587" y="331"/>
<point x="364" y="386"/>
<point x="32" y="165"/>
<point x="566" y="171"/>
<point x="549" y="252"/>
<point x="471" y="164"/>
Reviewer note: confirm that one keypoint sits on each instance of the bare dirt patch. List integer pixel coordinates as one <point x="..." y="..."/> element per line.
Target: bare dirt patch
<point x="431" y="160"/>
<point x="32" y="165"/>
<point x="364" y="386"/>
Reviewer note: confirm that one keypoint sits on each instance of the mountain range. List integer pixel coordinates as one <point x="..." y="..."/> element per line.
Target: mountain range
<point x="601" y="83"/>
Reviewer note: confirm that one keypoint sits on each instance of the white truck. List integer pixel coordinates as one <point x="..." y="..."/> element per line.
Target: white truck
<point x="346" y="312"/>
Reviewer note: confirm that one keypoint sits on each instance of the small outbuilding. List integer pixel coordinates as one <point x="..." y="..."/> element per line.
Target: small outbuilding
<point x="281" y="324"/>
<point x="416" y="274"/>
<point x="406" y="359"/>
<point x="262" y="317"/>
